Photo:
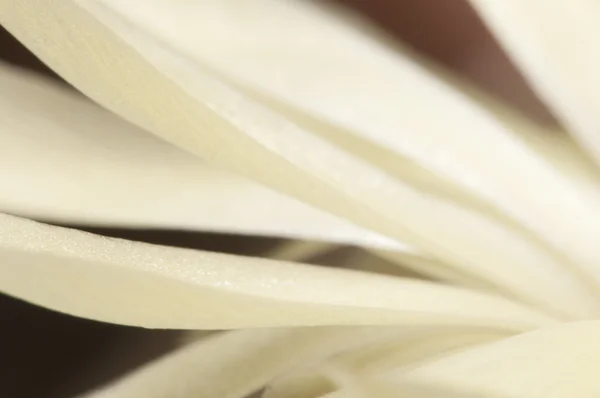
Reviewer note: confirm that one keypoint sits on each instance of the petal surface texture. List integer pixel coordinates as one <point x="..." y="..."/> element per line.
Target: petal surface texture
<point x="177" y="94"/>
<point x="64" y="159"/>
<point x="139" y="284"/>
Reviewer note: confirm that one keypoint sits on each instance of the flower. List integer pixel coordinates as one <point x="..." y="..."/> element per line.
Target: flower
<point x="284" y="118"/>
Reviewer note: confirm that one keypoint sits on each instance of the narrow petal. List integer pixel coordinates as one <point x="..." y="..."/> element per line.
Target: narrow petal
<point x="558" y="362"/>
<point x="408" y="350"/>
<point x="311" y="59"/>
<point x="64" y="159"/>
<point x="139" y="284"/>
<point x="133" y="73"/>
<point x="555" y="43"/>
<point x="367" y="388"/>
<point x="234" y="364"/>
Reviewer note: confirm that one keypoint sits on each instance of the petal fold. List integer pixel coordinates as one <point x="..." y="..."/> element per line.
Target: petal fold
<point x="64" y="159"/>
<point x="172" y="93"/>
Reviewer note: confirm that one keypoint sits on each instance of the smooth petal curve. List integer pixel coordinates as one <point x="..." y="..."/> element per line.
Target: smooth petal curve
<point x="234" y="364"/>
<point x="181" y="101"/>
<point x="561" y="64"/>
<point x="139" y="284"/>
<point x="553" y="362"/>
<point x="311" y="59"/>
<point x="66" y="160"/>
<point x="408" y="350"/>
<point x="557" y="362"/>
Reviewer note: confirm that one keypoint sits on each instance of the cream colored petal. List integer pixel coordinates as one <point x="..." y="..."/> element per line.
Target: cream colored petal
<point x="126" y="177"/>
<point x="408" y="350"/>
<point x="558" y="362"/>
<point x="329" y="68"/>
<point x="434" y="270"/>
<point x="551" y="142"/>
<point x="139" y="284"/>
<point x="181" y="101"/>
<point x="67" y="160"/>
<point x="556" y="45"/>
<point x="367" y="388"/>
<point x="234" y="364"/>
<point x="411" y="352"/>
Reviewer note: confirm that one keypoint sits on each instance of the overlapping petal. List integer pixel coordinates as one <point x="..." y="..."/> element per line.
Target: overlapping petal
<point x="174" y="95"/>
<point x="368" y="144"/>
<point x="235" y="364"/>
<point x="556" y="46"/>
<point x="64" y="159"/>
<point x="139" y="284"/>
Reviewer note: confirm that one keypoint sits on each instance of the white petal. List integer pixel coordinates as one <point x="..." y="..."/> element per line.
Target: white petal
<point x="135" y="75"/>
<point x="319" y="63"/>
<point x="234" y="364"/>
<point x="366" y="388"/>
<point x="551" y="143"/>
<point x="67" y="160"/>
<point x="556" y="45"/>
<point x="407" y="350"/>
<point x="558" y="362"/>
<point x="132" y="283"/>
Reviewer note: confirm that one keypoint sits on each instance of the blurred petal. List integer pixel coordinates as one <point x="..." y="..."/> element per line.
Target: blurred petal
<point x="557" y="362"/>
<point x="133" y="73"/>
<point x="367" y="388"/>
<point x="356" y="386"/>
<point x="552" y="143"/>
<point x="66" y="160"/>
<point x="556" y="45"/>
<point x="139" y="284"/>
<point x="298" y="251"/>
<point x="234" y="364"/>
<point x="375" y="358"/>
